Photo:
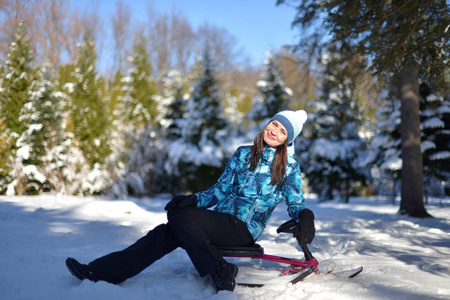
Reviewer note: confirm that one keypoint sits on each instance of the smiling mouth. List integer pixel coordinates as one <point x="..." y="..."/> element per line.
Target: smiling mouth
<point x="270" y="136"/>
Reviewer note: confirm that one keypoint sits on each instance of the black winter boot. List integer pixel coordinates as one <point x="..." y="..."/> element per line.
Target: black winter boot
<point x="224" y="278"/>
<point x="80" y="271"/>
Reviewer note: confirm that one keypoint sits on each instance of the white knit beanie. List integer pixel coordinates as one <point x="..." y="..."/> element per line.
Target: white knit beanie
<point x="293" y="122"/>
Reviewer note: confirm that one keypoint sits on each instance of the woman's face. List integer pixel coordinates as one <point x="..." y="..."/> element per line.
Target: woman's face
<point x="275" y="134"/>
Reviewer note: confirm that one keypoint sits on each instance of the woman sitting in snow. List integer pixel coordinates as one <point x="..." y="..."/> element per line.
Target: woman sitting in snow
<point x="255" y="180"/>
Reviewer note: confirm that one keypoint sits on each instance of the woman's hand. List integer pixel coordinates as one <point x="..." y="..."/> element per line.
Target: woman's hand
<point x="180" y="201"/>
<point x="305" y="230"/>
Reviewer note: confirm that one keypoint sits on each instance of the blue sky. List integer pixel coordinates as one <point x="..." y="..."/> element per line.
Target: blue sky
<point x="258" y="25"/>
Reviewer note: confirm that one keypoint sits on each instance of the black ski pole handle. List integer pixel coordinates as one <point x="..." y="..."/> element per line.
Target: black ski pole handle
<point x="308" y="255"/>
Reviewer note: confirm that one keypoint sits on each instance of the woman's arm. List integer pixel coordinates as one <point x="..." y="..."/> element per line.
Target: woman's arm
<point x="292" y="191"/>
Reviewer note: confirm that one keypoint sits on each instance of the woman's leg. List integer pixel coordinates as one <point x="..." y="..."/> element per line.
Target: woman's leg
<point x="118" y="266"/>
<point x="199" y="231"/>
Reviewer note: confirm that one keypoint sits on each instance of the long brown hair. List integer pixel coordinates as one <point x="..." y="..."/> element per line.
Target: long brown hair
<point x="279" y="162"/>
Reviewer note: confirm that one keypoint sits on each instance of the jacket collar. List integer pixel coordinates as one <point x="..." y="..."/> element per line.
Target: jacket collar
<point x="291" y="149"/>
<point x="271" y="151"/>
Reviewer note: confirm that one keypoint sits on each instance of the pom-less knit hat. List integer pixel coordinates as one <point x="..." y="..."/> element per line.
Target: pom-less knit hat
<point x="293" y="122"/>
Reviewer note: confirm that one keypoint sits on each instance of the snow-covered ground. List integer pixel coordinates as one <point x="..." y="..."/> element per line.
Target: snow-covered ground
<point x="403" y="258"/>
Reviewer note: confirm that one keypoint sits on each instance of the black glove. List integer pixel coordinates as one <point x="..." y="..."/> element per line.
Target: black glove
<point x="180" y="201"/>
<point x="305" y="230"/>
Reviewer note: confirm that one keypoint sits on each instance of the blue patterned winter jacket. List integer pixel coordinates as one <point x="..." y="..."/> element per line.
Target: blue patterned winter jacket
<point x="249" y="195"/>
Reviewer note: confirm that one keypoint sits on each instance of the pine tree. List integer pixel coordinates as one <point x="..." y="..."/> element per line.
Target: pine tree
<point x="148" y="154"/>
<point x="18" y="78"/>
<point x="117" y="141"/>
<point x="386" y="147"/>
<point x="196" y="159"/>
<point x="138" y="104"/>
<point x="386" y="144"/>
<point x="43" y="113"/>
<point x="275" y="95"/>
<point x="68" y="171"/>
<point x="333" y="158"/>
<point x="435" y="126"/>
<point x="139" y="115"/>
<point x="204" y="111"/>
<point x="89" y="115"/>
<point x="15" y="86"/>
<point x="44" y="135"/>
<point x="174" y="105"/>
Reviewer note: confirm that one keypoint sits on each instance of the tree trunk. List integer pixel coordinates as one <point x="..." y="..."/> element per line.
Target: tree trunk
<point x="412" y="170"/>
<point x="347" y="191"/>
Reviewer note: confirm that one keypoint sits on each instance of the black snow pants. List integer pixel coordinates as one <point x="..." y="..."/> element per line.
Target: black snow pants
<point x="196" y="230"/>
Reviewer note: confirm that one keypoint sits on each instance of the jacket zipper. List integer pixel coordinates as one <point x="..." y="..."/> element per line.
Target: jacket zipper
<point x="245" y="182"/>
